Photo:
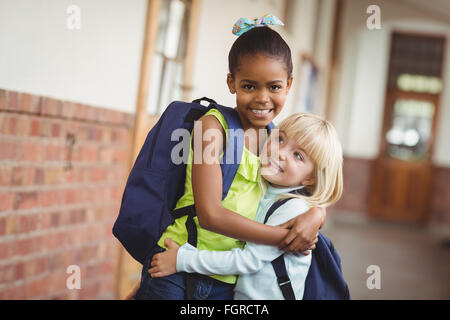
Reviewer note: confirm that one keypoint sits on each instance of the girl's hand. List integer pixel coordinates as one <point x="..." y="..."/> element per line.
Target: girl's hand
<point x="303" y="234"/>
<point x="165" y="263"/>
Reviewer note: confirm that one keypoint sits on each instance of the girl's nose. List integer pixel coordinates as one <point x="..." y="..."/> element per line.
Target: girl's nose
<point x="282" y="154"/>
<point x="262" y="97"/>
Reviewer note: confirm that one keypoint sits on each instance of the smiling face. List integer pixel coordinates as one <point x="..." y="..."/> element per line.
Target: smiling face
<point x="284" y="163"/>
<point x="261" y="85"/>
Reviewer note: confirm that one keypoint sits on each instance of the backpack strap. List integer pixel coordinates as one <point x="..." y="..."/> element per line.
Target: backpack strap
<point x="274" y="207"/>
<point x="279" y="266"/>
<point x="233" y="149"/>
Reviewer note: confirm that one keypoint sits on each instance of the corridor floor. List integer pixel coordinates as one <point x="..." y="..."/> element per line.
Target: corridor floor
<point x="413" y="263"/>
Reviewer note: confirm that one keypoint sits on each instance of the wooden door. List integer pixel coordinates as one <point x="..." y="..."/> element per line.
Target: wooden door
<point x="401" y="176"/>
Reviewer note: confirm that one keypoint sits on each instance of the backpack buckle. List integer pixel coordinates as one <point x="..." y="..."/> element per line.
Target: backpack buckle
<point x="283" y="281"/>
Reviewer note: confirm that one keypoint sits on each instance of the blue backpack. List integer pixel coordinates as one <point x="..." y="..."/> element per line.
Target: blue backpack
<point x="156" y="183"/>
<point x="324" y="280"/>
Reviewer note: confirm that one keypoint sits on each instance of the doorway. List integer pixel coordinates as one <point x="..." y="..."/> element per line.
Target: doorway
<point x="401" y="179"/>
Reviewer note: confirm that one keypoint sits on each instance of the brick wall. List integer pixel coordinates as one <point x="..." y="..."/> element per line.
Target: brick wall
<point x="63" y="166"/>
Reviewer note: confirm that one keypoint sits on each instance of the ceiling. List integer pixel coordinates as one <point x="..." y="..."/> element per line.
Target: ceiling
<point x="438" y="8"/>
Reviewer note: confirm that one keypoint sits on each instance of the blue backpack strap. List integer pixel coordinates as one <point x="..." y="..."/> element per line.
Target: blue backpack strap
<point x="279" y="266"/>
<point x="233" y="148"/>
<point x="283" y="280"/>
<point x="274" y="207"/>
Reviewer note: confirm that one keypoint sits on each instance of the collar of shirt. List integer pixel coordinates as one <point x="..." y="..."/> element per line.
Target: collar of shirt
<point x="273" y="192"/>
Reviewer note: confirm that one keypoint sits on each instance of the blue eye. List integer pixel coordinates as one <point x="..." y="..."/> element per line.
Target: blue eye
<point x="298" y="156"/>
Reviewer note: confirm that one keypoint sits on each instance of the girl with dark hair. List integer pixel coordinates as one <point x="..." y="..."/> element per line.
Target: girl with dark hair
<point x="260" y="74"/>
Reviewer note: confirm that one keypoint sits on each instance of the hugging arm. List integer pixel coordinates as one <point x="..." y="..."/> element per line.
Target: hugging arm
<point x="207" y="189"/>
<point x="237" y="261"/>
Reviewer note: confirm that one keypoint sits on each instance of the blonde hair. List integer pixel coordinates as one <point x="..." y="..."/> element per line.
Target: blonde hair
<point x="319" y="139"/>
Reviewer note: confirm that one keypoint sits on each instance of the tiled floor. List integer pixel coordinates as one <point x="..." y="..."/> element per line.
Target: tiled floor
<point x="413" y="263"/>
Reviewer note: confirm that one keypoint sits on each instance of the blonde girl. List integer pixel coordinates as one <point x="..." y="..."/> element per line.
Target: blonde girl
<point x="301" y="160"/>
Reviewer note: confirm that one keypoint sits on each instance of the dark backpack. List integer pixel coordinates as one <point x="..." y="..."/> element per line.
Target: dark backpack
<point x="324" y="280"/>
<point x="155" y="182"/>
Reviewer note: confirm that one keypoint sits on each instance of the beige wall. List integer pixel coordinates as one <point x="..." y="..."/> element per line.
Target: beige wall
<point x="363" y="62"/>
<point x="98" y="64"/>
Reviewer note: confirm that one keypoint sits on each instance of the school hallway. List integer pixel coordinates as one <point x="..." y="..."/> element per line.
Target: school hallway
<point x="83" y="82"/>
<point x="413" y="262"/>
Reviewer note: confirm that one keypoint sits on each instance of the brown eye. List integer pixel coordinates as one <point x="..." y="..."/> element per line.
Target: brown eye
<point x="275" y="87"/>
<point x="248" y="87"/>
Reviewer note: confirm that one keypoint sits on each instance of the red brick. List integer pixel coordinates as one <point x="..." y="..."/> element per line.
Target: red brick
<point x="10" y="125"/>
<point x="54" y="175"/>
<point x="35" y="127"/>
<point x="30" y="103"/>
<point x="51" y="107"/>
<point x="26" y="200"/>
<point x="80" y="111"/>
<point x="36" y="288"/>
<point x="71" y="196"/>
<point x="7" y="273"/>
<point x="8" y="150"/>
<point x="4" y="250"/>
<point x="28" y="223"/>
<point x="45" y="129"/>
<point x="19" y="271"/>
<point x="89" y="153"/>
<point x="17" y="292"/>
<point x="39" y="176"/>
<point x="53" y="152"/>
<point x="49" y="198"/>
<point x="22" y="247"/>
<point x="53" y="241"/>
<point x="5" y="176"/>
<point x="22" y="126"/>
<point x="68" y="109"/>
<point x="6" y="201"/>
<point x="22" y="176"/>
<point x="55" y="220"/>
<point x="11" y="224"/>
<point x="3" y="99"/>
<point x="57" y="281"/>
<point x="35" y="267"/>
<point x="13" y="100"/>
<point x="30" y="151"/>
<point x="120" y="156"/>
<point x="105" y="155"/>
<point x="99" y="174"/>
<point x="56" y="130"/>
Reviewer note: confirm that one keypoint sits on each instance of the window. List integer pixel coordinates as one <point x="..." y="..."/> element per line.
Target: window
<point x="415" y="82"/>
<point x="168" y="62"/>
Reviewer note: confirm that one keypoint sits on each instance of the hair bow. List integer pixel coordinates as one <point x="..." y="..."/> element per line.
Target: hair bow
<point x="243" y="24"/>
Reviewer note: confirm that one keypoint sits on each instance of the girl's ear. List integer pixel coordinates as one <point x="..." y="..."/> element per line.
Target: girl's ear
<point x="230" y="83"/>
<point x="289" y="83"/>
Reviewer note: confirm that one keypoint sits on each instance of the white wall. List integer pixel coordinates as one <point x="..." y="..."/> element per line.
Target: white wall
<point x="364" y="61"/>
<point x="98" y="64"/>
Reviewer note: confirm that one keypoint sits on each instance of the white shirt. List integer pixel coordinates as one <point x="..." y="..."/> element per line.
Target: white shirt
<point x="257" y="279"/>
